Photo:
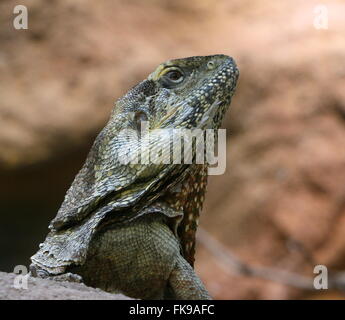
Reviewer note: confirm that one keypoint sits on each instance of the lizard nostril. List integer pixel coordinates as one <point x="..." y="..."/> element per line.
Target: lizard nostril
<point x="211" y="65"/>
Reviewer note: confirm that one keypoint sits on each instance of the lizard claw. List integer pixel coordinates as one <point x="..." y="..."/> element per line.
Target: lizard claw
<point x="70" y="277"/>
<point x="37" y="272"/>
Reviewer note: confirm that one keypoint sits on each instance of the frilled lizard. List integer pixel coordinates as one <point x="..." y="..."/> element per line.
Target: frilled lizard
<point x="129" y="226"/>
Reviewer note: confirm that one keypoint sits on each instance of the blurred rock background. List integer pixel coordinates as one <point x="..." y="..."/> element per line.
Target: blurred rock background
<point x="281" y="202"/>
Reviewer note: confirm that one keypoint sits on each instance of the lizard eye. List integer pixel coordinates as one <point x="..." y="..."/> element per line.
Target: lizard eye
<point x="172" y="78"/>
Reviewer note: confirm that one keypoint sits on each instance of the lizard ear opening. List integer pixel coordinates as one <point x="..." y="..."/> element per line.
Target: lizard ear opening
<point x="139" y="118"/>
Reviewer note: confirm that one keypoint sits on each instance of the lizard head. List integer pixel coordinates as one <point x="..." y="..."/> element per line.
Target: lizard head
<point x="191" y="92"/>
<point x="194" y="92"/>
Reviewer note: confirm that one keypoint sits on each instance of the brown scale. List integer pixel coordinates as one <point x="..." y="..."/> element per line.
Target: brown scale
<point x="189" y="199"/>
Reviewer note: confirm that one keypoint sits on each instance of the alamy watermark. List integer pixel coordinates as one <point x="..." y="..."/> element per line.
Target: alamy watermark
<point x="21" y="20"/>
<point x="21" y="280"/>
<point x="173" y="146"/>
<point x="321" y="17"/>
<point x="321" y="280"/>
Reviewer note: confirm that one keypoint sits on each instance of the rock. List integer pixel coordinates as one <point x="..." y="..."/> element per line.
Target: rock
<point x="43" y="289"/>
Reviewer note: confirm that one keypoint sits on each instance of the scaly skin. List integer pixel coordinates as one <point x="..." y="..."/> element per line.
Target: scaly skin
<point x="130" y="228"/>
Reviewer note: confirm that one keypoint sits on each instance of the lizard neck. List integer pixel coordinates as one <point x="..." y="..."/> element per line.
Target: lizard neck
<point x="188" y="197"/>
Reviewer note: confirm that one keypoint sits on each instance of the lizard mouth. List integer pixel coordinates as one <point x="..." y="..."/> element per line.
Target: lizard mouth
<point x="208" y="103"/>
